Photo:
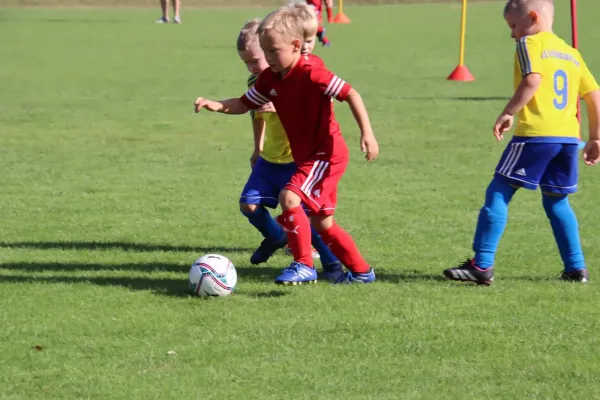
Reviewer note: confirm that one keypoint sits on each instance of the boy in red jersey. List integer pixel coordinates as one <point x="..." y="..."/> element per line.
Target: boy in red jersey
<point x="318" y="6"/>
<point x="302" y="89"/>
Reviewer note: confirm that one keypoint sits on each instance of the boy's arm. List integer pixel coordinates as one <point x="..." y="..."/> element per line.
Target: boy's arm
<point x="368" y="143"/>
<point x="591" y="151"/>
<point x="335" y="87"/>
<point x="523" y="95"/>
<point x="528" y="51"/>
<point x="592" y="103"/>
<point x="229" y="106"/>
<point x="258" y="128"/>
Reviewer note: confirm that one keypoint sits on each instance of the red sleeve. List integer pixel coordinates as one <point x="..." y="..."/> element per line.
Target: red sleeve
<point x="257" y="95"/>
<point x="330" y="84"/>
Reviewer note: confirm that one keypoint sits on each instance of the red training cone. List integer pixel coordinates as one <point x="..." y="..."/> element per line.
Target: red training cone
<point x="461" y="73"/>
<point x="341" y="18"/>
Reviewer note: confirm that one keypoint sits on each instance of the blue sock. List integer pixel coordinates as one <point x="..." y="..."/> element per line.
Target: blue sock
<point x="266" y="225"/>
<point x="566" y="230"/>
<point x="492" y="220"/>
<point x="327" y="257"/>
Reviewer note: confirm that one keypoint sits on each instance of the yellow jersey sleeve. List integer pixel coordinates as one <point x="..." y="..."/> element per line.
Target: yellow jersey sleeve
<point x="528" y="56"/>
<point x="588" y="83"/>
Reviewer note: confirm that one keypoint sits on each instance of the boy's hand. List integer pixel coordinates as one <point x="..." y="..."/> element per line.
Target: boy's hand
<point x="267" y="108"/>
<point x="254" y="157"/>
<point x="201" y="103"/>
<point x="369" y="145"/>
<point x="591" y="152"/>
<point x="503" y="124"/>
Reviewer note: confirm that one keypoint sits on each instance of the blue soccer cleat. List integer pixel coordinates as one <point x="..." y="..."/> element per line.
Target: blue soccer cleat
<point x="332" y="272"/>
<point x="356" y="277"/>
<point x="266" y="250"/>
<point x="297" y="274"/>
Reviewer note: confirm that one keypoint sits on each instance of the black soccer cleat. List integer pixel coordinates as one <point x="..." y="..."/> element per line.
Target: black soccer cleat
<point x="469" y="272"/>
<point x="581" y="275"/>
<point x="266" y="250"/>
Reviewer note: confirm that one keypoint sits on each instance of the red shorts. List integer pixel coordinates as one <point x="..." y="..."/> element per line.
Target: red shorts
<point x="315" y="181"/>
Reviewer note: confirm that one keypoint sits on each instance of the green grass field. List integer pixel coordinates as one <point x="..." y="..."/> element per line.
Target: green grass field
<point x="111" y="186"/>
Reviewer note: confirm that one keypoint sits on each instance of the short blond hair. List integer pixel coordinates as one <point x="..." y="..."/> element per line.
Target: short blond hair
<point x="524" y="6"/>
<point x="285" y="22"/>
<point x="248" y="36"/>
<point x="308" y="16"/>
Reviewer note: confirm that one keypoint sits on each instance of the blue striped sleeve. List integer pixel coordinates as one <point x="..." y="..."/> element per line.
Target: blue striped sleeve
<point x="523" y="56"/>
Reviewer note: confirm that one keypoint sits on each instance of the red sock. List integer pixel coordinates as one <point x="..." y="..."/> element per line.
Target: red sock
<point x="329" y="14"/>
<point x="297" y="226"/>
<point x="344" y="248"/>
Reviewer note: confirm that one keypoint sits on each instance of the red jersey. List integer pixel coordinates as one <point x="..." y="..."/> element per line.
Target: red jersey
<point x="317" y="4"/>
<point x="304" y="103"/>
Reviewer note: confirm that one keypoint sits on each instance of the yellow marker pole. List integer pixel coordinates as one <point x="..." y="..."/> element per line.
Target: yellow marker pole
<point x="463" y="28"/>
<point x="462" y="73"/>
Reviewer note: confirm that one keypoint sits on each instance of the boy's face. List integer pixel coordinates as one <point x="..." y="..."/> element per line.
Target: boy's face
<point x="522" y="24"/>
<point x="281" y="53"/>
<point x="309" y="45"/>
<point x="254" y="58"/>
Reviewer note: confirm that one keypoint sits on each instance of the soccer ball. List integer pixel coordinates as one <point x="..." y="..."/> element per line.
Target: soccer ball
<point x="213" y="275"/>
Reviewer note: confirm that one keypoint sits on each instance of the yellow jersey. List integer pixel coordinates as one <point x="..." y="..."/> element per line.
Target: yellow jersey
<point x="552" y="112"/>
<point x="276" y="147"/>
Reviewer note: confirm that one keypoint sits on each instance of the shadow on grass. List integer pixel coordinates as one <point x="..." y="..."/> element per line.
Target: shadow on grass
<point x="406" y="276"/>
<point x="157" y="285"/>
<point x="125" y="246"/>
<point x="457" y="98"/>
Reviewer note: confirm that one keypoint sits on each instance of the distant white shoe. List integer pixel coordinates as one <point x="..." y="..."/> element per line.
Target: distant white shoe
<point x="177" y="19"/>
<point x="162" y="20"/>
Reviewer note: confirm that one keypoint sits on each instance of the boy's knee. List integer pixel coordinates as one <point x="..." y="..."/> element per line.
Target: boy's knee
<point x="289" y="199"/>
<point x="248" y="208"/>
<point x="321" y="223"/>
<point x="550" y="200"/>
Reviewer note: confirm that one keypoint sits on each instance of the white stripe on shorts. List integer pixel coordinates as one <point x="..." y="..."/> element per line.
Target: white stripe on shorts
<point x="511" y="160"/>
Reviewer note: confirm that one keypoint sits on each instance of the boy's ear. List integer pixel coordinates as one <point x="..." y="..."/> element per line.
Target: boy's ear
<point x="535" y="17"/>
<point x="297" y="43"/>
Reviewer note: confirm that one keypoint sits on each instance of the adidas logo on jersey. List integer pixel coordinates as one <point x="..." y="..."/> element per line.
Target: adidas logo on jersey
<point x="317" y="193"/>
<point x="273" y="92"/>
<point x="521" y="172"/>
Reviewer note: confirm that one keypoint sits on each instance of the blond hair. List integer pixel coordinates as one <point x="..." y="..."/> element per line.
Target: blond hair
<point x="285" y="22"/>
<point x="248" y="36"/>
<point x="524" y="6"/>
<point x="308" y="16"/>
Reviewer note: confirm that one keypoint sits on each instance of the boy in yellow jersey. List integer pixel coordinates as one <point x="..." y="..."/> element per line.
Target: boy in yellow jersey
<point x="272" y="165"/>
<point x="549" y="77"/>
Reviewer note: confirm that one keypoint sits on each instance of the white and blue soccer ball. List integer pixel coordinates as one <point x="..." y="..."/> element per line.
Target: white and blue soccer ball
<point x="213" y="275"/>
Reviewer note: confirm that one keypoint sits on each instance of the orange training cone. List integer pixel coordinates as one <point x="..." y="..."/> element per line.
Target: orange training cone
<point x="341" y="18"/>
<point x="462" y="74"/>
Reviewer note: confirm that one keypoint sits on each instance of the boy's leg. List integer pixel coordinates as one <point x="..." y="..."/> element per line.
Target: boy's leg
<point x="566" y="232"/>
<point x="176" y="10"/>
<point x="332" y="267"/>
<point x="558" y="181"/>
<point x="490" y="226"/>
<point x="322" y="38"/>
<point x="491" y="222"/>
<point x="257" y="194"/>
<point x="329" y="5"/>
<point x="344" y="247"/>
<point x="164" y="6"/>
<point x="295" y="223"/>
<point x="522" y="164"/>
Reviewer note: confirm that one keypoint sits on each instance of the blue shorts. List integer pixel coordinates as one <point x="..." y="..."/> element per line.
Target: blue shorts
<point x="265" y="182"/>
<point x="533" y="162"/>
